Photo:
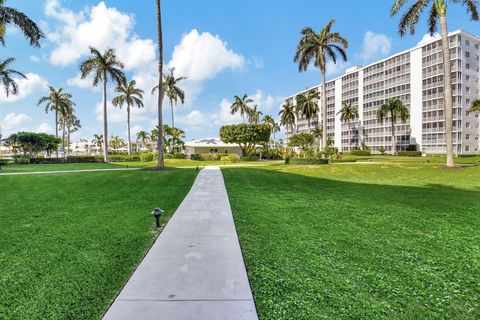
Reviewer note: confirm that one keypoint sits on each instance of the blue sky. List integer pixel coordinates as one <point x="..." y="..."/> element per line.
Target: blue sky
<point x="225" y="48"/>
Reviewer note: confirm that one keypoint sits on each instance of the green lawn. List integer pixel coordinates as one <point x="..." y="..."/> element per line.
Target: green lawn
<point x="397" y="241"/>
<point x="70" y="241"/>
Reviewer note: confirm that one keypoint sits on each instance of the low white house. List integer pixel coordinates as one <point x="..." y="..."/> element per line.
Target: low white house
<point x="210" y="145"/>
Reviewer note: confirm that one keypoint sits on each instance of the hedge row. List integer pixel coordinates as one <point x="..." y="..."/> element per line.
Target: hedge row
<point x="306" y="161"/>
<point x="342" y="160"/>
<point x="361" y="153"/>
<point x="409" y="153"/>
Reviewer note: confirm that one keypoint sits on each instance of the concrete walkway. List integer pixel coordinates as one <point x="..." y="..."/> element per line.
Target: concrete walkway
<point x="195" y="269"/>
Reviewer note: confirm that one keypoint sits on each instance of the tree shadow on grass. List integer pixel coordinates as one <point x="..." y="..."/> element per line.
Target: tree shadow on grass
<point x="323" y="248"/>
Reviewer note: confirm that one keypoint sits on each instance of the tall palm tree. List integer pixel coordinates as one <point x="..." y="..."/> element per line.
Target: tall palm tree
<point x="11" y="16"/>
<point x="307" y="104"/>
<point x="160" y="159"/>
<point x="130" y="95"/>
<point x="438" y="12"/>
<point x="348" y="113"/>
<point x="9" y="84"/>
<point x="318" y="134"/>
<point x="116" y="142"/>
<point x="393" y="109"/>
<point x="59" y="101"/>
<point x="274" y="127"/>
<point x="475" y="106"/>
<point x="143" y="136"/>
<point x="320" y="47"/>
<point x="171" y="90"/>
<point x="287" y="116"/>
<point x="241" y="105"/>
<point x="254" y="115"/>
<point x="98" y="140"/>
<point x="103" y="66"/>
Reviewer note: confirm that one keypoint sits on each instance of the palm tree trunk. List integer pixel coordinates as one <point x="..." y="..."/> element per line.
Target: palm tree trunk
<point x="173" y="125"/>
<point x="63" y="140"/>
<point x="324" y="106"/>
<point x="160" y="159"/>
<point x="393" y="137"/>
<point x="68" y="141"/>
<point x="56" y="127"/>
<point x="447" y="91"/>
<point x="105" y="122"/>
<point x="128" y="129"/>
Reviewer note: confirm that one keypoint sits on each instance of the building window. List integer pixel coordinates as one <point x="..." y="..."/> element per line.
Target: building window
<point x="467" y="66"/>
<point x="467" y="89"/>
<point x="467" y="78"/>
<point x="467" y="148"/>
<point x="467" y="136"/>
<point x="467" y="42"/>
<point x="467" y="54"/>
<point x="467" y="124"/>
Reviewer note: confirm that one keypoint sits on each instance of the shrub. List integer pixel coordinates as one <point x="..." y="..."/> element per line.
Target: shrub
<point x="21" y="160"/>
<point x="307" y="161"/>
<point x="175" y="156"/>
<point x="342" y="160"/>
<point x="119" y="157"/>
<point x="232" y="157"/>
<point x="272" y="154"/>
<point x="196" y="157"/>
<point x="210" y="156"/>
<point x="83" y="159"/>
<point x="147" y="157"/>
<point x="462" y="155"/>
<point x="252" y="157"/>
<point x="361" y="153"/>
<point x="409" y="153"/>
<point x="381" y="150"/>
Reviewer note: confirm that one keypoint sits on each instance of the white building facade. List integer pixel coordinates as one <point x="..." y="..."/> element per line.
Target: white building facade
<point x="415" y="77"/>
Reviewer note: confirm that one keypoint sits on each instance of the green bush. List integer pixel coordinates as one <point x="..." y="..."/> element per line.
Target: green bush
<point x="468" y="155"/>
<point x="409" y="153"/>
<point x="175" y="156"/>
<point x="21" y="160"/>
<point x="342" y="160"/>
<point x="361" y="153"/>
<point x="210" y="156"/>
<point x="252" y="157"/>
<point x="84" y="159"/>
<point x="119" y="157"/>
<point x="232" y="157"/>
<point x="307" y="161"/>
<point x="195" y="157"/>
<point x="147" y="157"/>
<point x="272" y="154"/>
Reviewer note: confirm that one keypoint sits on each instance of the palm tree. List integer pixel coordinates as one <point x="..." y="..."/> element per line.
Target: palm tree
<point x="10" y="16"/>
<point x="171" y="90"/>
<point x="241" y="105"/>
<point x="307" y="104"/>
<point x="254" y="115"/>
<point x="103" y="66"/>
<point x="348" y="113"/>
<point x="320" y="47"/>
<point x="160" y="159"/>
<point x="274" y="127"/>
<point x="287" y="116"/>
<point x="116" y="142"/>
<point x="438" y="11"/>
<point x="131" y="96"/>
<point x="475" y="106"/>
<point x="98" y="140"/>
<point x="9" y="84"/>
<point x="393" y="109"/>
<point x="318" y="134"/>
<point x="58" y="101"/>
<point x="143" y="136"/>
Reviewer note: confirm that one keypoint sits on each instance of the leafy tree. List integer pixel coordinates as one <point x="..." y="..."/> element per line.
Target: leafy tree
<point x="302" y="140"/>
<point x="247" y="136"/>
<point x="98" y="140"/>
<point x="254" y="115"/>
<point x="241" y="105"/>
<point x="70" y="124"/>
<point x="319" y="48"/>
<point x="174" y="138"/>
<point x="393" y="109"/>
<point x="143" y="136"/>
<point x="58" y="101"/>
<point x="9" y="84"/>
<point x="160" y="146"/>
<point x="31" y="143"/>
<point x="475" y="106"/>
<point x="348" y="113"/>
<point x="287" y="116"/>
<point x="307" y="104"/>
<point x="171" y="90"/>
<point x="11" y="16"/>
<point x="103" y="66"/>
<point x="129" y="95"/>
<point x="318" y="134"/>
<point x="437" y="13"/>
<point x="274" y="127"/>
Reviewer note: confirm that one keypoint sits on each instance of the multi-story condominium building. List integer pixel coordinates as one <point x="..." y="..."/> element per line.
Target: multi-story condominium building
<point x="414" y="76"/>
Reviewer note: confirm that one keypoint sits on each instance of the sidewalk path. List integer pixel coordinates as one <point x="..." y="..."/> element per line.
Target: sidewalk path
<point x="195" y="269"/>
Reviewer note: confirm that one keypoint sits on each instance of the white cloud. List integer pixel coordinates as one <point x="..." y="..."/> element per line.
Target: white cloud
<point x="375" y="45"/>
<point x="257" y="62"/>
<point x="86" y="83"/>
<point x="117" y="115"/>
<point x="35" y="59"/>
<point x="45" y="128"/>
<point x="334" y="69"/>
<point x="264" y="102"/>
<point x="13" y="122"/>
<point x="193" y="119"/>
<point x="33" y="83"/>
<point x="428" y="37"/>
<point x="98" y="26"/>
